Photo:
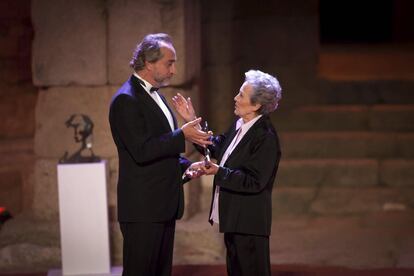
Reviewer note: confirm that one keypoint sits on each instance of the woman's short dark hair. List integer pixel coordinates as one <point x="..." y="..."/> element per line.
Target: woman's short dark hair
<point x="149" y="50"/>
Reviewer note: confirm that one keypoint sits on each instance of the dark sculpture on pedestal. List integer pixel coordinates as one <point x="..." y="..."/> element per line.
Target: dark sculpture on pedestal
<point x="83" y="129"/>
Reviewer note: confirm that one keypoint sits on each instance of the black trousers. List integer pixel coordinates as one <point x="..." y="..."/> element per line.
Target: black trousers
<point x="247" y="255"/>
<point x="148" y="248"/>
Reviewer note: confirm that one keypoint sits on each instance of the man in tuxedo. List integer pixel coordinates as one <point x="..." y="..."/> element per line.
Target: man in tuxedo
<point x="247" y="157"/>
<point x="150" y="192"/>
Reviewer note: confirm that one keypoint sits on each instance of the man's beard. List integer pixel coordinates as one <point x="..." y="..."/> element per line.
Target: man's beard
<point x="162" y="81"/>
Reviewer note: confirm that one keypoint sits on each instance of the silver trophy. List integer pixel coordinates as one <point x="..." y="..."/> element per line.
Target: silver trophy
<point x="207" y="154"/>
<point x="190" y="172"/>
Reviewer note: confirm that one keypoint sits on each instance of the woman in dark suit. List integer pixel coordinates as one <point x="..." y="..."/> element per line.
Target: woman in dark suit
<point x="247" y="157"/>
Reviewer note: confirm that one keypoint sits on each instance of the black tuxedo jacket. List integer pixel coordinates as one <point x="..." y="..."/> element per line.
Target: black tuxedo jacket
<point x="246" y="179"/>
<point x="150" y="166"/>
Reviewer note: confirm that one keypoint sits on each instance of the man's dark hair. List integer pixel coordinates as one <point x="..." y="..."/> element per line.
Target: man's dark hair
<point x="149" y="50"/>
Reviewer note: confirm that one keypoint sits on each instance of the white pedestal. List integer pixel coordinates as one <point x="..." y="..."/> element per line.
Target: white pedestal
<point x="115" y="271"/>
<point x="83" y="212"/>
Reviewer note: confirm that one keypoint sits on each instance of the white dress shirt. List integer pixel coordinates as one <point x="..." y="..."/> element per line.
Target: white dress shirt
<point x="242" y="129"/>
<point x="156" y="97"/>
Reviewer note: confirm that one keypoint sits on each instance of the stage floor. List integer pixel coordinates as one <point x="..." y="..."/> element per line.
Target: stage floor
<point x="277" y="270"/>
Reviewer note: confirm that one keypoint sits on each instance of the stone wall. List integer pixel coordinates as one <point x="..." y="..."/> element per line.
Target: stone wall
<point x="270" y="36"/>
<point x="17" y="104"/>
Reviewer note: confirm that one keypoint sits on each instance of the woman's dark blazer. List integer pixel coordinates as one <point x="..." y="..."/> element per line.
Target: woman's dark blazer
<point x="246" y="179"/>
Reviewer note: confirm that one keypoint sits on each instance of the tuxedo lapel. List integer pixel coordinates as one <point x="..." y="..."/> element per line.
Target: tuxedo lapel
<point x="246" y="138"/>
<point x="227" y="142"/>
<point x="149" y="102"/>
<point x="169" y="109"/>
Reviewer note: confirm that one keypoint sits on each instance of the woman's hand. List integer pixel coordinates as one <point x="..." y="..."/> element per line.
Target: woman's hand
<point x="198" y="169"/>
<point x="184" y="107"/>
<point x="210" y="168"/>
<point x="195" y="170"/>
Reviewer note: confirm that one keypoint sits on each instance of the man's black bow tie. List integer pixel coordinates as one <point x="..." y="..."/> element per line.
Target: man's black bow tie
<point x="154" y="89"/>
